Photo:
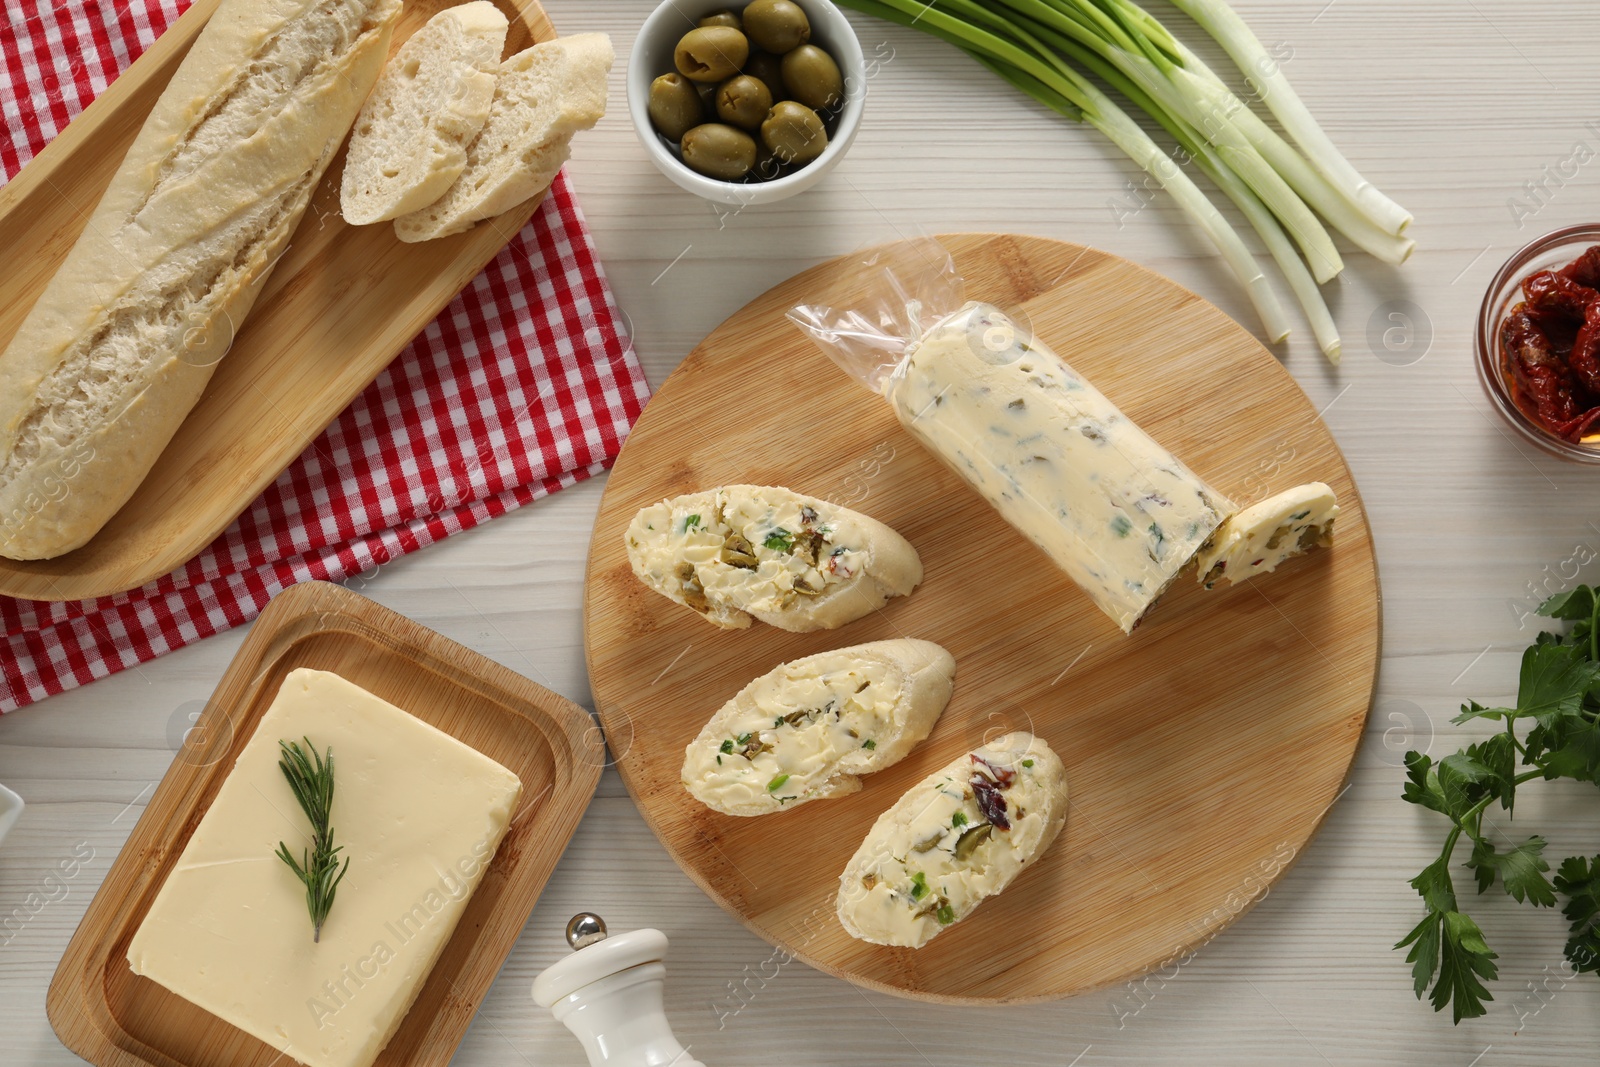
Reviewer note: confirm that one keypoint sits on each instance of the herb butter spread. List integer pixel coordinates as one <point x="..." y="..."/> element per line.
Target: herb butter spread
<point x="956" y="838"/>
<point x="1263" y="535"/>
<point x="1117" y="512"/>
<point x="806" y="729"/>
<point x="793" y="561"/>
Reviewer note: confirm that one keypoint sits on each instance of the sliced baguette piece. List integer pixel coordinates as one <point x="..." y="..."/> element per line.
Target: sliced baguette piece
<point x="956" y="838"/>
<point x="543" y="95"/>
<point x="410" y="142"/>
<point x="806" y="730"/>
<point x="765" y="552"/>
<point x="125" y="335"/>
<point x="1258" y="538"/>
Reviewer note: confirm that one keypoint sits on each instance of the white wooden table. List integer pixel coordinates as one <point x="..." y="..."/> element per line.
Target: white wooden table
<point x="1449" y="106"/>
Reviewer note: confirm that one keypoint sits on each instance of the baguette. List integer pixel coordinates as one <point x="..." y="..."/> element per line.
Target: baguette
<point x="807" y="730"/>
<point x="740" y="552"/>
<point x="125" y="336"/>
<point x="952" y="841"/>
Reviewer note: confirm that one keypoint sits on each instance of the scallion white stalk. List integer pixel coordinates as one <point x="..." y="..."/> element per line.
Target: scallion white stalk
<point x="1266" y="74"/>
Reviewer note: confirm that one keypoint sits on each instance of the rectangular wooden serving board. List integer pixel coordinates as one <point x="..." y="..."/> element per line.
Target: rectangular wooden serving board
<point x="340" y="305"/>
<point x="112" y="1018"/>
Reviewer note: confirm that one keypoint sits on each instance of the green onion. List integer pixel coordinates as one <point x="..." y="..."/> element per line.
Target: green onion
<point x="958" y="819"/>
<point x="727" y="747"/>
<point x="690" y="523"/>
<point x="1025" y="763"/>
<point x="869" y="744"/>
<point x="777" y="783"/>
<point x="1041" y="47"/>
<point x="779" y="540"/>
<point x="919" y="885"/>
<point x="1230" y="31"/>
<point x="946" y="915"/>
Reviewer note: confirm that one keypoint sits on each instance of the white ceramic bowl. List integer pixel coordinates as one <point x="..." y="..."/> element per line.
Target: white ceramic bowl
<point x="10" y="810"/>
<point x="652" y="57"/>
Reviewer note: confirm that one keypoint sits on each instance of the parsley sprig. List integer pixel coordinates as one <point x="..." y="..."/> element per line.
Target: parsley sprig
<point x="1553" y="732"/>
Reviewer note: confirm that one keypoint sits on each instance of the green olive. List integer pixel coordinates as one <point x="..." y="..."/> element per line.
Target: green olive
<point x="768" y="68"/>
<point x="793" y="132"/>
<point x="722" y="18"/>
<point x="744" y="101"/>
<point x="812" y="77"/>
<point x="776" y="25"/>
<point x="675" y="106"/>
<point x="711" y="53"/>
<point x="719" y="151"/>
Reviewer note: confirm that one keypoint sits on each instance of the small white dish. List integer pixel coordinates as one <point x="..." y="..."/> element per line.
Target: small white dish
<point x="652" y="57"/>
<point x="10" y="811"/>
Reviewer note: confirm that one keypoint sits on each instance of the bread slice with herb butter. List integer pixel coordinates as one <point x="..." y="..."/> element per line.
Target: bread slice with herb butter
<point x="739" y="552"/>
<point x="806" y="730"/>
<point x="410" y="142"/>
<point x="956" y="838"/>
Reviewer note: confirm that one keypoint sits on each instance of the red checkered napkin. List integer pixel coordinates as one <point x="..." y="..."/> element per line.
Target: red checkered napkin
<point x="524" y="384"/>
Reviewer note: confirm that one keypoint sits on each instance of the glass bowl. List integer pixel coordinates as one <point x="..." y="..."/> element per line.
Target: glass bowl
<point x="1550" y="252"/>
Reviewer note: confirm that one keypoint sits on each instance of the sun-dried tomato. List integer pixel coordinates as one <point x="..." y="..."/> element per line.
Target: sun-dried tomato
<point x="1585" y="270"/>
<point x="1558" y="329"/>
<point x="1556" y="293"/>
<point x="1584" y="359"/>
<point x="987" y="782"/>
<point x="1543" y="377"/>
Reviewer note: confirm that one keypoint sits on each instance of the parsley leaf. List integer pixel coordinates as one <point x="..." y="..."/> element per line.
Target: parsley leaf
<point x="1521" y="870"/>
<point x="1579" y="881"/>
<point x="1574" y="604"/>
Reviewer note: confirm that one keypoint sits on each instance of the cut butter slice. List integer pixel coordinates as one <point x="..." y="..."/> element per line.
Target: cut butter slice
<point x="419" y="815"/>
<point x="1263" y="535"/>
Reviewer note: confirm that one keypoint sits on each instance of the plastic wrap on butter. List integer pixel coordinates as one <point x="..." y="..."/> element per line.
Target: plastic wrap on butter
<point x="1110" y="506"/>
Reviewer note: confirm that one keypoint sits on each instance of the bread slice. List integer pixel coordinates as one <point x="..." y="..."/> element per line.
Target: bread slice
<point x="956" y="838"/>
<point x="752" y="551"/>
<point x="543" y="95"/>
<point x="124" y="337"/>
<point x="806" y="730"/>
<point x="410" y="142"/>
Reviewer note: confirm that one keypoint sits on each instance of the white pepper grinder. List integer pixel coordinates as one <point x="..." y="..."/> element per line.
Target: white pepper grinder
<point x="609" y="993"/>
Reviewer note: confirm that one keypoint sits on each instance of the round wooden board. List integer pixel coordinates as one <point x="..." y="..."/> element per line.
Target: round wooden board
<point x="1203" y="751"/>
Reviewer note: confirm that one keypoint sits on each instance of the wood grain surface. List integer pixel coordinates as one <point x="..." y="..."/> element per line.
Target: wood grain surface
<point x="112" y="1018"/>
<point x="340" y="304"/>
<point x="1202" y="752"/>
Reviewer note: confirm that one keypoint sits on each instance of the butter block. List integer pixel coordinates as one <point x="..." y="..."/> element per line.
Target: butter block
<point x="1263" y="535"/>
<point x="1120" y="514"/>
<point x="420" y="816"/>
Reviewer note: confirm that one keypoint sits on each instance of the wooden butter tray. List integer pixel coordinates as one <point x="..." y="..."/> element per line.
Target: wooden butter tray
<point x="112" y="1018"/>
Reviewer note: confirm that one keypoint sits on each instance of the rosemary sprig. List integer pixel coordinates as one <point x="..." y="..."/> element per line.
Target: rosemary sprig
<point x="311" y="779"/>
